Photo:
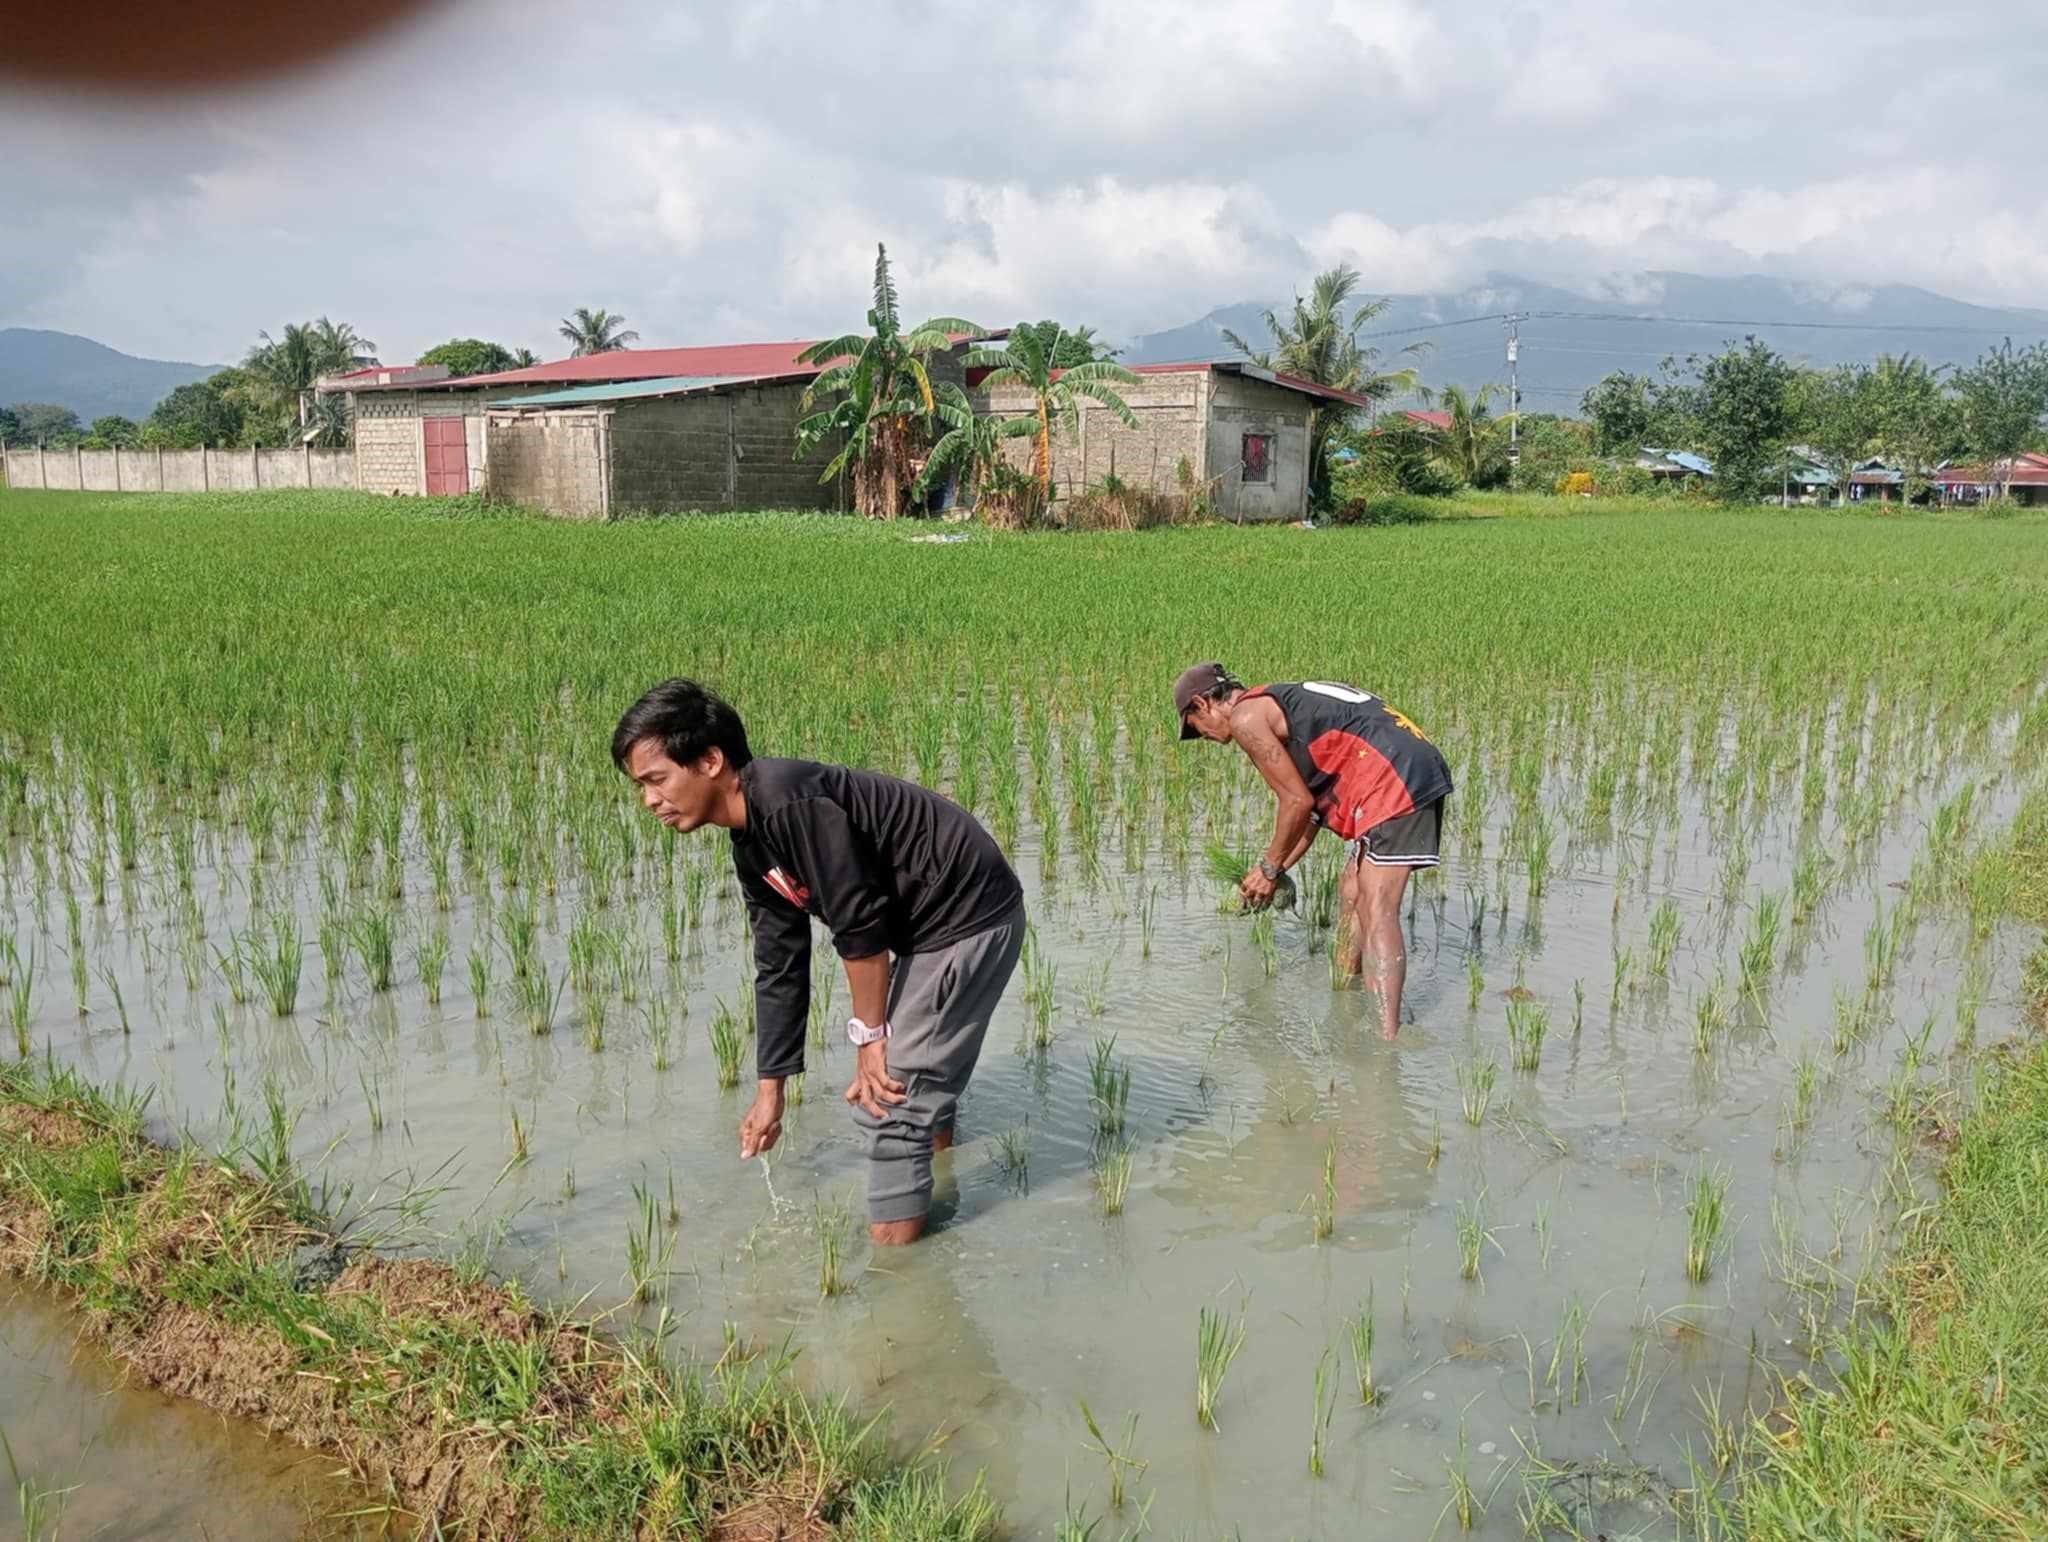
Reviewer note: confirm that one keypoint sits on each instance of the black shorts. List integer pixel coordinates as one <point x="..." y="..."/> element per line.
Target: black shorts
<point x="1407" y="840"/>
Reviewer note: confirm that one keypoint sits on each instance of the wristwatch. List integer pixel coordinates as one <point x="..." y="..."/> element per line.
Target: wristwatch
<point x="1271" y="871"/>
<point x="860" y="1033"/>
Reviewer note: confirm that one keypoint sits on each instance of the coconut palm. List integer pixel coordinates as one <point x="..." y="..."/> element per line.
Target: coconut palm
<point x="598" y="331"/>
<point x="279" y="374"/>
<point x="1027" y="358"/>
<point x="1320" y="343"/>
<point x="880" y="396"/>
<point x="1473" y="449"/>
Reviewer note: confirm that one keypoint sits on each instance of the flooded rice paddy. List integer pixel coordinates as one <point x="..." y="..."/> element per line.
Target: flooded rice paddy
<point x="1757" y="1001"/>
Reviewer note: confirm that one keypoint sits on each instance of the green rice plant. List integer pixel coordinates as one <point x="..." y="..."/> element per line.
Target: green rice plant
<point x="1809" y="883"/>
<point x="1322" y="1404"/>
<point x="1464" y="1501"/>
<point x="540" y="997"/>
<point x="334" y="948"/>
<point x="568" y="1183"/>
<point x="1148" y="919"/>
<point x="1854" y="1015"/>
<point x="1709" y="1021"/>
<point x="1359" y="1331"/>
<point x="1113" y="1163"/>
<point x="1475" y="1087"/>
<point x="1095" y="989"/>
<point x="1109" y="1087"/>
<point x="597" y="1008"/>
<point x="20" y="1001"/>
<point x="726" y="1044"/>
<point x="519" y="1147"/>
<point x="480" y="976"/>
<point x="1041" y="975"/>
<point x="829" y="1224"/>
<point x="1706" y="1213"/>
<point x="1542" y="1225"/>
<point x="1881" y="941"/>
<point x="1265" y="938"/>
<point x="1623" y="959"/>
<point x="1663" y="937"/>
<point x="1567" y="1372"/>
<point x="120" y="1002"/>
<point x="1528" y="1023"/>
<point x="1116" y="1456"/>
<point x="233" y="968"/>
<point x="41" y="1508"/>
<point x="277" y="964"/>
<point x="649" y="1248"/>
<point x="659" y="1028"/>
<point x="1805" y="1086"/>
<point x="1472" y="1234"/>
<point x="1475" y="982"/>
<point x="1536" y="842"/>
<point x="1578" y="1007"/>
<point x="430" y="952"/>
<point x="373" y="1100"/>
<point x="1218" y="1339"/>
<point x="372" y="933"/>
<point x="1013" y="1152"/>
<point x="1323" y="1202"/>
<point x="1760" y="947"/>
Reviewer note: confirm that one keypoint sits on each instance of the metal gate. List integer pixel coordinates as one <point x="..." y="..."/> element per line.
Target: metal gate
<point x="447" y="455"/>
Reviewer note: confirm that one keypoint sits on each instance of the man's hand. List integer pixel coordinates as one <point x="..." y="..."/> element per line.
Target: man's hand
<point x="873" y="1086"/>
<point x="1256" y="890"/>
<point x="762" y="1127"/>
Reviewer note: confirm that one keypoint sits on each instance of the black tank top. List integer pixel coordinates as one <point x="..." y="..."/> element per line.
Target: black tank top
<point x="1363" y="761"/>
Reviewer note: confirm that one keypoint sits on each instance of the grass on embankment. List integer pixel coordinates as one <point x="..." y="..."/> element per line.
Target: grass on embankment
<point x="473" y="1411"/>
<point x="1938" y="1429"/>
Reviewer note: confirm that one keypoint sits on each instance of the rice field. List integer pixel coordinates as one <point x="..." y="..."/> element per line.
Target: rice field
<point x="307" y="821"/>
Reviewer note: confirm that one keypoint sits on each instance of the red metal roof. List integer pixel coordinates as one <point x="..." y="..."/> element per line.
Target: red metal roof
<point x="1436" y="420"/>
<point x="976" y="375"/>
<point x="652" y="364"/>
<point x="2025" y="470"/>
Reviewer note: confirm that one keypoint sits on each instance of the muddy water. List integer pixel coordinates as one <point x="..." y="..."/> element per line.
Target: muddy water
<point x="120" y="1462"/>
<point x="985" y="1339"/>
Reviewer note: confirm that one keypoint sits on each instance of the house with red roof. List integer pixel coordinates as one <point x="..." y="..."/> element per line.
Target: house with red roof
<point x="2023" y="478"/>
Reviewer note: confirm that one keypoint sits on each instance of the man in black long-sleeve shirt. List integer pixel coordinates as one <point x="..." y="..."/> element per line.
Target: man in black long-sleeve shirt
<point x="924" y="911"/>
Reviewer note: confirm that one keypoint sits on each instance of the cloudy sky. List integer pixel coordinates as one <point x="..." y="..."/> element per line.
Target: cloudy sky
<point x="723" y="173"/>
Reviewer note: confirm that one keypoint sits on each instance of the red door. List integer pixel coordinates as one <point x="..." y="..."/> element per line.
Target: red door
<point x="447" y="455"/>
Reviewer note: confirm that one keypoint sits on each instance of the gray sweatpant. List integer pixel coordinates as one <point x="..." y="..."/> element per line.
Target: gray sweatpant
<point x="939" y="1007"/>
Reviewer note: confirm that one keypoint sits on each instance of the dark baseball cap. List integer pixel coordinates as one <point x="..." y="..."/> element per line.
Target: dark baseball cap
<point x="1197" y="680"/>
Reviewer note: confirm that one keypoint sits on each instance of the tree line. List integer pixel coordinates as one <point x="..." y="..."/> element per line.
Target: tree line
<point x="269" y="399"/>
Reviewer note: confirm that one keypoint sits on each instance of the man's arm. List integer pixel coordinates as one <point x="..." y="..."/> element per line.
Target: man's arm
<point x="1256" y="725"/>
<point x="782" y="1001"/>
<point x="845" y="874"/>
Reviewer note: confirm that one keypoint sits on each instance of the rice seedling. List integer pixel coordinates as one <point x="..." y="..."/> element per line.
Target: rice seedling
<point x="1470" y="1222"/>
<point x="1706" y="1215"/>
<point x="1475" y="1087"/>
<point x="1013" y="1153"/>
<point x="1528" y="1023"/>
<point x="1709" y="1021"/>
<point x="113" y="985"/>
<point x="1568" y="1353"/>
<point x="1663" y="936"/>
<point x="430" y="952"/>
<point x="1464" y="1501"/>
<point x="1041" y="975"/>
<point x="276" y="964"/>
<point x="1322" y="1404"/>
<point x="1475" y="982"/>
<point x="1322" y="1203"/>
<point x="1536" y="841"/>
<point x="1542" y="1227"/>
<point x="1578" y="1007"/>
<point x="1623" y="959"/>
<point x="1109" y="1087"/>
<point x="659" y="1029"/>
<point x="1266" y="939"/>
<point x="1095" y="989"/>
<point x="1809" y="883"/>
<point x="1760" y="947"/>
<point x="519" y="1134"/>
<point x="648" y="1250"/>
<point x="1218" y="1339"/>
<point x="726" y="1044"/>
<point x="480" y="976"/>
<point x="371" y="933"/>
<point x="1113" y="1163"/>
<point x="1805" y="1086"/>
<point x="1148" y="919"/>
<point x="832" y="1229"/>
<point x="1116" y="1455"/>
<point x="20" y="1000"/>
<point x="1359" y="1331"/>
<point x="540" y="997"/>
<point x="373" y="1100"/>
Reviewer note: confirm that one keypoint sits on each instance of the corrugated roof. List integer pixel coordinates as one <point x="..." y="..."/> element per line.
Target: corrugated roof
<point x="976" y="375"/>
<point x="635" y="390"/>
<point x="727" y="361"/>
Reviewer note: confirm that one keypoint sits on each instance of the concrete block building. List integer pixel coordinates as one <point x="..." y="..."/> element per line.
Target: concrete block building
<point x="1243" y="432"/>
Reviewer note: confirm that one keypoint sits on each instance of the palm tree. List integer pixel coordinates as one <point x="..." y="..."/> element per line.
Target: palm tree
<point x="1026" y="359"/>
<point x="598" y="331"/>
<point x="524" y="358"/>
<point x="972" y="443"/>
<point x="280" y="373"/>
<point x="882" y="398"/>
<point x="1320" y="344"/>
<point x="1471" y="449"/>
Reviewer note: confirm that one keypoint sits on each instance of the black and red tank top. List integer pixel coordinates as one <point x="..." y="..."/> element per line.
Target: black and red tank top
<point x="1363" y="761"/>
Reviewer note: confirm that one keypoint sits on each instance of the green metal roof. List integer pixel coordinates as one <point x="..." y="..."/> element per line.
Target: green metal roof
<point x="628" y="390"/>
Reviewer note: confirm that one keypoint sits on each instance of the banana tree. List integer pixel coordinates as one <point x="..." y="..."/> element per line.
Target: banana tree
<point x="1027" y="359"/>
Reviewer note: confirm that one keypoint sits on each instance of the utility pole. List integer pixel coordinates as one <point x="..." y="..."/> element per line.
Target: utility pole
<point x="1511" y="321"/>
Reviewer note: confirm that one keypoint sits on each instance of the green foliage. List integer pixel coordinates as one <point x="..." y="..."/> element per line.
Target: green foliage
<point x="1028" y="357"/>
<point x="2002" y="399"/>
<point x="279" y="374"/>
<point x="1837" y="413"/>
<point x="474" y="356"/>
<point x="879" y="398"/>
<point x="1473" y="450"/>
<point x="1320" y="342"/>
<point x="1628" y="411"/>
<point x="595" y="331"/>
<point x="112" y="432"/>
<point x="207" y="412"/>
<point x="47" y="424"/>
<point x="1745" y="417"/>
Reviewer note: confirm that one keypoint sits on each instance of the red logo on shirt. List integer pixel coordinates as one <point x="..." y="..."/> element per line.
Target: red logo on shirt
<point x="789" y="888"/>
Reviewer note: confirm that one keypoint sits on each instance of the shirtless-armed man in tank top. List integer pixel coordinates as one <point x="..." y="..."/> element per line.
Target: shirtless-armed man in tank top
<point x="1338" y="759"/>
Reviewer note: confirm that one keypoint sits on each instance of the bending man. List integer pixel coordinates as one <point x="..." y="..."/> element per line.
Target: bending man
<point x="924" y="911"/>
<point x="1339" y="759"/>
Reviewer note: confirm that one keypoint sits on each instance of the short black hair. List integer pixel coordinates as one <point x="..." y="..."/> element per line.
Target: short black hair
<point x="688" y="719"/>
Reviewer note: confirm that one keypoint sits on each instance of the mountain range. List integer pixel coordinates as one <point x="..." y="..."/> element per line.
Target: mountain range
<point x="90" y="378"/>
<point x="1573" y="337"/>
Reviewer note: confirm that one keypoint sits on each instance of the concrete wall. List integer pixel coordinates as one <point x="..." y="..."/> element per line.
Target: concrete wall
<point x="549" y="460"/>
<point x="1170" y="412"/>
<point x="179" y="471"/>
<point x="1237" y="407"/>
<point x="724" y="450"/>
<point x="388" y="451"/>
